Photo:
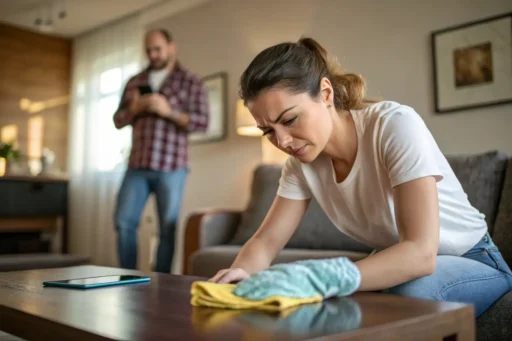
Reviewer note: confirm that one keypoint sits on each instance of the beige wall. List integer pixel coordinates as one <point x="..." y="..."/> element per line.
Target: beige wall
<point x="388" y="42"/>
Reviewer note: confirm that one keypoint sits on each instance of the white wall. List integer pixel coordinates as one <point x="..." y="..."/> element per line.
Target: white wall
<point x="388" y="42"/>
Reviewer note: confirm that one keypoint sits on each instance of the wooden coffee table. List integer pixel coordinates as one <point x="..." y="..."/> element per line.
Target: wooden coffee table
<point x="161" y="310"/>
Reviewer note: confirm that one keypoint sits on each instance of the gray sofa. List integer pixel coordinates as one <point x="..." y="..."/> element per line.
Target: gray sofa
<point x="213" y="238"/>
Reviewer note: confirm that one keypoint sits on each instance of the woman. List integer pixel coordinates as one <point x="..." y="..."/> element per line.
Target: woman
<point x="378" y="174"/>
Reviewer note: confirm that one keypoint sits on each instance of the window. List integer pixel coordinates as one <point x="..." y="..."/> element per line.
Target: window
<point x="113" y="141"/>
<point x="104" y="61"/>
<point x="35" y="137"/>
<point x="96" y="100"/>
<point x="35" y="143"/>
<point x="110" y="81"/>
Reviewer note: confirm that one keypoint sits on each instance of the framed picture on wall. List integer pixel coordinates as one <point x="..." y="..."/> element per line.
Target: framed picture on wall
<point x="473" y="64"/>
<point x="216" y="87"/>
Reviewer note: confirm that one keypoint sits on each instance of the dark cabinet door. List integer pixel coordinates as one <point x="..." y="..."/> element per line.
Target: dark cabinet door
<point x="32" y="198"/>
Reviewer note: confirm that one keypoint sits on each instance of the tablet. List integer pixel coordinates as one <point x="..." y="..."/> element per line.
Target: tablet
<point x="97" y="282"/>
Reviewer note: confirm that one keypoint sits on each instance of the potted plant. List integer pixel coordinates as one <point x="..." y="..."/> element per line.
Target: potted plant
<point x="10" y="154"/>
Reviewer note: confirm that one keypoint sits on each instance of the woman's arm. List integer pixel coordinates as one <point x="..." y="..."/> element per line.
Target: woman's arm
<point x="417" y="217"/>
<point x="273" y="234"/>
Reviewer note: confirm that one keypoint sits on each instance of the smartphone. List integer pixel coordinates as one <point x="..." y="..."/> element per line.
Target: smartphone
<point x="96" y="282"/>
<point x="145" y="89"/>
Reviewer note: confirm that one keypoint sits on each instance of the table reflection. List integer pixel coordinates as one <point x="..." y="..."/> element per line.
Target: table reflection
<point x="329" y="317"/>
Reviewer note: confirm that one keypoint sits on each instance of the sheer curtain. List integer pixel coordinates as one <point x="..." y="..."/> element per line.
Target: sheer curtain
<point x="103" y="61"/>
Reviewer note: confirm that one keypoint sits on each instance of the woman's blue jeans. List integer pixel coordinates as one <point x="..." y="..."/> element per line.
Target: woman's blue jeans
<point x="479" y="277"/>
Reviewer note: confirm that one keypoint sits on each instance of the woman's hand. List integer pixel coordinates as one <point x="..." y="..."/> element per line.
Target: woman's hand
<point x="229" y="276"/>
<point x="310" y="278"/>
<point x="257" y="254"/>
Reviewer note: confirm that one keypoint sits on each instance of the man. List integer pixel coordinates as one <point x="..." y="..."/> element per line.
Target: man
<point x="158" y="161"/>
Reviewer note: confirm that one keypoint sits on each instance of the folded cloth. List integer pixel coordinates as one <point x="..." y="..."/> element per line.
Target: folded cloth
<point x="302" y="279"/>
<point x="216" y="295"/>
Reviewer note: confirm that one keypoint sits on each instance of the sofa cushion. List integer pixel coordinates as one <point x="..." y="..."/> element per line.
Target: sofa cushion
<point x="206" y="262"/>
<point x="315" y="230"/>
<point x="496" y="322"/>
<point x="502" y="234"/>
<point x="481" y="176"/>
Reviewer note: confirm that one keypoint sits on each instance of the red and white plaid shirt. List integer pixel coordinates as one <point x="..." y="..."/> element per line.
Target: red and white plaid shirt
<point x="157" y="143"/>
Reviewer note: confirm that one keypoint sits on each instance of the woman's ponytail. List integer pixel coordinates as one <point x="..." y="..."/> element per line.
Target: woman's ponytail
<point x="299" y="67"/>
<point x="349" y="89"/>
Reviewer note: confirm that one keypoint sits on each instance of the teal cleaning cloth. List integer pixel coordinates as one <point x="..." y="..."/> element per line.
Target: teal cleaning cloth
<point x="325" y="277"/>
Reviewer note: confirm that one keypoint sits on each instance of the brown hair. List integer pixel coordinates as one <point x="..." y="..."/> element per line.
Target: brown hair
<point x="299" y="67"/>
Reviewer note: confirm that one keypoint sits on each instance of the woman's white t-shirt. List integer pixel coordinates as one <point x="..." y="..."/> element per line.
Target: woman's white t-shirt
<point x="394" y="146"/>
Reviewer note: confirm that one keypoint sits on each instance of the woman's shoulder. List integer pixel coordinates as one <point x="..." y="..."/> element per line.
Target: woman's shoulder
<point x="385" y="109"/>
<point x="378" y="114"/>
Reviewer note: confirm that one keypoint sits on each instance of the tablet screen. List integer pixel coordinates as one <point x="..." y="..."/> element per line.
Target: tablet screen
<point x="100" y="280"/>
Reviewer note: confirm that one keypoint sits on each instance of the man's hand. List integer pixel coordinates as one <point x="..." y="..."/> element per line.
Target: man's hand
<point x="158" y="104"/>
<point x="136" y="104"/>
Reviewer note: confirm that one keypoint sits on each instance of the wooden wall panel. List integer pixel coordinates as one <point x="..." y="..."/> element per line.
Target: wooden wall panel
<point x="36" y="67"/>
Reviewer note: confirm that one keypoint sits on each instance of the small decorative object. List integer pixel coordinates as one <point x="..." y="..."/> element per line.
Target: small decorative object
<point x="47" y="161"/>
<point x="216" y="86"/>
<point x="473" y="64"/>
<point x="11" y="156"/>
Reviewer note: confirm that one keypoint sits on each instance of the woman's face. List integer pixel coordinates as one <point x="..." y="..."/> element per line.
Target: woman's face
<point x="296" y="124"/>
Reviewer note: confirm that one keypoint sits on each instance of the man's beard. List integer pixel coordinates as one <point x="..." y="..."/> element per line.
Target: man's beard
<point x="160" y="66"/>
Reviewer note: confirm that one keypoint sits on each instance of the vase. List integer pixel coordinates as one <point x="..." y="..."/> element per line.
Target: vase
<point x="8" y="167"/>
<point x="12" y="167"/>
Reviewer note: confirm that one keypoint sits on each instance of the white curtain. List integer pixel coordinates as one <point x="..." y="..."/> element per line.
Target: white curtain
<point x="103" y="61"/>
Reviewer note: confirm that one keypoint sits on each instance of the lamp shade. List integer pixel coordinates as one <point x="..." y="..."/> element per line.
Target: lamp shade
<point x="245" y="123"/>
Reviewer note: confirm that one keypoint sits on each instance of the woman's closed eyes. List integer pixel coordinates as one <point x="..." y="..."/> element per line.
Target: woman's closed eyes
<point x="285" y="123"/>
<point x="290" y="121"/>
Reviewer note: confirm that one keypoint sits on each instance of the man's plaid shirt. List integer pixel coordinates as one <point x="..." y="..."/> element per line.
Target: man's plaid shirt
<point x="157" y="143"/>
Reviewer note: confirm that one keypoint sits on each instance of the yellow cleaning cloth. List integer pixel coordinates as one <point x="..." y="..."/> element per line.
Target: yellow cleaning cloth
<point x="207" y="319"/>
<point x="216" y="295"/>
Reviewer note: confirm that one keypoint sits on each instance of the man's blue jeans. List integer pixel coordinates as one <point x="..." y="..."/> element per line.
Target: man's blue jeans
<point x="135" y="189"/>
<point x="479" y="277"/>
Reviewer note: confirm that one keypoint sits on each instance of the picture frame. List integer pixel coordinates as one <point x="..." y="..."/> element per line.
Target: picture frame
<point x="472" y="64"/>
<point x="216" y="87"/>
